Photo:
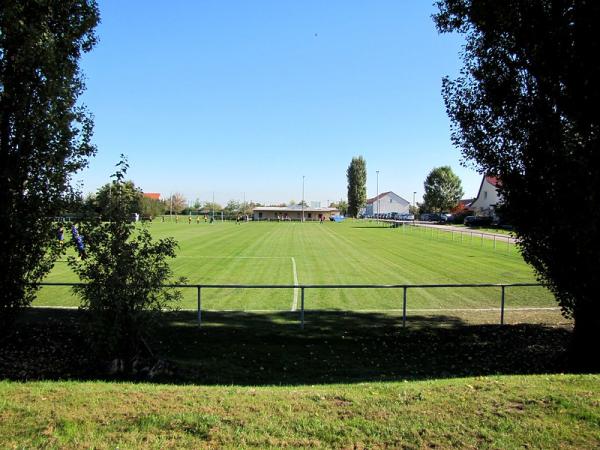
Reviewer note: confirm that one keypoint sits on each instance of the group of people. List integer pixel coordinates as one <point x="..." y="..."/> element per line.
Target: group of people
<point x="77" y="239"/>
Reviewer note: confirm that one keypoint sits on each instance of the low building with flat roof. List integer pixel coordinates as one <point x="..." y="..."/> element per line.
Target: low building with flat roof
<point x="293" y="212"/>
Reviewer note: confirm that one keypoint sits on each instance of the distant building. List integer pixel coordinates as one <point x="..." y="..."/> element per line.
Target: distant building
<point x="293" y="212"/>
<point x="152" y="195"/>
<point x="387" y="202"/>
<point x="487" y="197"/>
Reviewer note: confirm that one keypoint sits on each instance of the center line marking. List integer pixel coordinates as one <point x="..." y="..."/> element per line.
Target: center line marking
<point x="295" y="301"/>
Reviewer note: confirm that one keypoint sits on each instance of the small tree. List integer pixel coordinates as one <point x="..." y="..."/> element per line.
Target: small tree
<point x="342" y="206"/>
<point x="443" y="190"/>
<point x="176" y="203"/>
<point x="124" y="271"/>
<point x="210" y="207"/>
<point x="151" y="207"/>
<point x="44" y="135"/>
<point x="232" y="208"/>
<point x="112" y="199"/>
<point x="357" y="185"/>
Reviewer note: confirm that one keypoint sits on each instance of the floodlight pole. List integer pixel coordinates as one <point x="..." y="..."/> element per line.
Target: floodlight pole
<point x="302" y="198"/>
<point x="377" y="196"/>
<point x="414" y="203"/>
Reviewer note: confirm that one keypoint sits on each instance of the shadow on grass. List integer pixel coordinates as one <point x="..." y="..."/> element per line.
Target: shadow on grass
<point x="244" y="348"/>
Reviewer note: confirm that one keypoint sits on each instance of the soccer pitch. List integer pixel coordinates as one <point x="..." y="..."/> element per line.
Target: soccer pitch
<point x="352" y="252"/>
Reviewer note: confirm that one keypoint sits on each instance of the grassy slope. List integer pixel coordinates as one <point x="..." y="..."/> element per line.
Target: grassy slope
<point x="352" y="252"/>
<point x="496" y="412"/>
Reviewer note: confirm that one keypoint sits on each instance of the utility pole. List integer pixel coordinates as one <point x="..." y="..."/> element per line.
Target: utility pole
<point x="414" y="203"/>
<point x="302" y="198"/>
<point x="377" y="196"/>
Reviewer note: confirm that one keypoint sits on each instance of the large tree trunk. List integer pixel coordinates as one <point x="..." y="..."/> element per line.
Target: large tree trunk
<point x="585" y="347"/>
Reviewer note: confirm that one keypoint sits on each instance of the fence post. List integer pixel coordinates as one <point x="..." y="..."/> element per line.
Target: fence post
<point x="494" y="242"/>
<point x="199" y="306"/>
<point x="302" y="308"/>
<point x="502" y="307"/>
<point x="404" y="308"/>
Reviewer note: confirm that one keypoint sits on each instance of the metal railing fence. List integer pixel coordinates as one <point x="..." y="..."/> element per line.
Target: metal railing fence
<point x="304" y="287"/>
<point x="462" y="236"/>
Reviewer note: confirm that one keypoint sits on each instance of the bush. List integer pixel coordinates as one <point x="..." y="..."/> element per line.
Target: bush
<point x="124" y="270"/>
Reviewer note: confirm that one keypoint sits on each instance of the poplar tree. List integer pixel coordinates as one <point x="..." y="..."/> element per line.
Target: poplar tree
<point x="357" y="185"/>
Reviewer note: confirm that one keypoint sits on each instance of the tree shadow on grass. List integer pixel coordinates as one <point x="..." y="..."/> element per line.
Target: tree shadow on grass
<point x="243" y="348"/>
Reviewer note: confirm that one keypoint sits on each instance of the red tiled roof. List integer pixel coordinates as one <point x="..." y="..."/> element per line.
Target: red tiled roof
<point x="494" y="181"/>
<point x="152" y="195"/>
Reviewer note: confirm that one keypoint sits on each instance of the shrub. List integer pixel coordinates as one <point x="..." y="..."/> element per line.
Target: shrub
<point x="124" y="271"/>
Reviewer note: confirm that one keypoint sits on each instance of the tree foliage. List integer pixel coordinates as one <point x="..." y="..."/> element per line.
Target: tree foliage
<point x="124" y="270"/>
<point x="342" y="206"/>
<point x="357" y="185"/>
<point x="443" y="190"/>
<point x="151" y="207"/>
<point x="176" y="203"/>
<point x="115" y="197"/>
<point x="525" y="108"/>
<point x="44" y="135"/>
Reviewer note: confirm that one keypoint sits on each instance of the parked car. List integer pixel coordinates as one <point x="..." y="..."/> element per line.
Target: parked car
<point x="445" y="218"/>
<point x="430" y="217"/>
<point x="477" y="221"/>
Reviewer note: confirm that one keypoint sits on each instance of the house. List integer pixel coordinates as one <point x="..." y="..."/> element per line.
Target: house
<point x="463" y="205"/>
<point x="152" y="195"/>
<point x="293" y="212"/>
<point x="488" y="197"/>
<point x="387" y="202"/>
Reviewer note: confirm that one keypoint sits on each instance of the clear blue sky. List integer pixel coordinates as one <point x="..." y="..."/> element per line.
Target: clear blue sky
<point x="247" y="96"/>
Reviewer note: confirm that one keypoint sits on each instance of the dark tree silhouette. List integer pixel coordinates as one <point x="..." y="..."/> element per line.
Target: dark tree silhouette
<point x="525" y="108"/>
<point x="44" y="135"/>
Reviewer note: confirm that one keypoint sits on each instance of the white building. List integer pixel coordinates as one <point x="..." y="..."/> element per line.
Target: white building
<point x="487" y="198"/>
<point x="387" y="202"/>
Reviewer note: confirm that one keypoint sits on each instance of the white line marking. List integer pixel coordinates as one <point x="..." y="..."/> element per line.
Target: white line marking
<point x="295" y="301"/>
<point x="232" y="257"/>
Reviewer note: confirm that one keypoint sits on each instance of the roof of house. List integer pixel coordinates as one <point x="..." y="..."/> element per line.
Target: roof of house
<point x="494" y="181"/>
<point x="378" y="197"/>
<point x="152" y="195"/>
<point x="383" y="194"/>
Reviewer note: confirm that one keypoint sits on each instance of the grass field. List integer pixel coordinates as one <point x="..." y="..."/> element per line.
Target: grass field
<point x="352" y="379"/>
<point x="549" y="411"/>
<point x="353" y="252"/>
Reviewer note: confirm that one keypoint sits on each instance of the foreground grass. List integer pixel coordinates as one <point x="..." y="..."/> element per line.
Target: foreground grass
<point x="547" y="411"/>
